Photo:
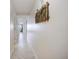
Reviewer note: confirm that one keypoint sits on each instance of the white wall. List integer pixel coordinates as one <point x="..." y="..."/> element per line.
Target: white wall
<point x="12" y="27"/>
<point x="52" y="41"/>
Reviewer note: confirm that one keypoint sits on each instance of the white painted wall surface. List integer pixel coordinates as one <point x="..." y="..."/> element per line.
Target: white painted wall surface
<point x="12" y="28"/>
<point x="50" y="40"/>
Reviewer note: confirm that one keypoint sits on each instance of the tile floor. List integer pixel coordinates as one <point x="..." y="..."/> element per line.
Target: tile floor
<point x="22" y="49"/>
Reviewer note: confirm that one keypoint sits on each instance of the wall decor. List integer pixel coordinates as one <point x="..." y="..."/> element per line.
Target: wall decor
<point x="42" y="14"/>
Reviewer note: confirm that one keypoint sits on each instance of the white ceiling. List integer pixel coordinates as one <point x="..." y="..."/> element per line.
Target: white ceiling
<point x="23" y="7"/>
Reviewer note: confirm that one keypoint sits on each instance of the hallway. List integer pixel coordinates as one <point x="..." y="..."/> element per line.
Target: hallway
<point x="41" y="43"/>
<point x="45" y="40"/>
<point x="22" y="49"/>
<point x="28" y="48"/>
